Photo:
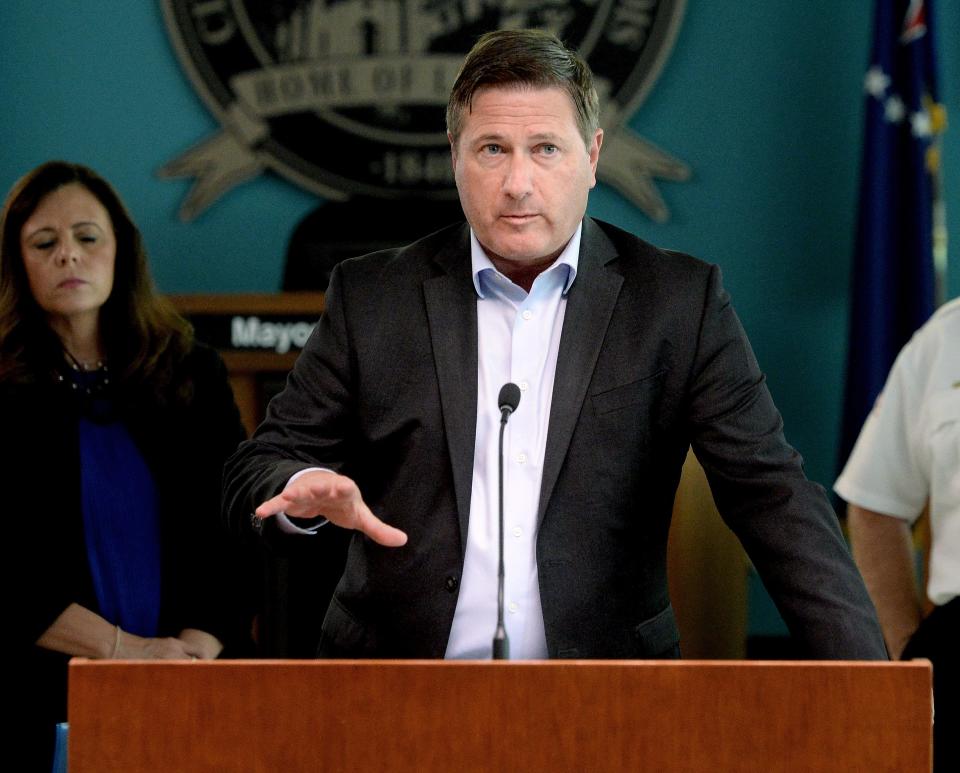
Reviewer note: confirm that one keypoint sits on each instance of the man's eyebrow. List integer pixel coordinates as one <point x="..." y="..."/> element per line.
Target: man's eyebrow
<point x="489" y="137"/>
<point x="498" y="137"/>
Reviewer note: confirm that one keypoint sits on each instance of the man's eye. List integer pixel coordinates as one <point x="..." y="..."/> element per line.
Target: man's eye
<point x="549" y="150"/>
<point x="492" y="149"/>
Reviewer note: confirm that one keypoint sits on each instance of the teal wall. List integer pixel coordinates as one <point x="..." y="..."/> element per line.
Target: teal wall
<point x="763" y="100"/>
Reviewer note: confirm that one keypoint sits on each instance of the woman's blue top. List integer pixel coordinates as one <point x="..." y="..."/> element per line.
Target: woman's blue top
<point x="120" y="522"/>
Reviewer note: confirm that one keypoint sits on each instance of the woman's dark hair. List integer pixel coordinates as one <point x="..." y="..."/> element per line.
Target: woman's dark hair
<point x="143" y="335"/>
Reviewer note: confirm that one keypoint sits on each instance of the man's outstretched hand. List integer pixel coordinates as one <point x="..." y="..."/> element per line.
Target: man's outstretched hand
<point x="336" y="498"/>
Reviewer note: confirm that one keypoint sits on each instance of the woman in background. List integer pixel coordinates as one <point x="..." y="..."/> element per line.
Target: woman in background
<point x="116" y="424"/>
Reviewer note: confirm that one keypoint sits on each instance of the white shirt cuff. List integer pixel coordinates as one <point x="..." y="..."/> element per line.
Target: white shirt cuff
<point x="283" y="521"/>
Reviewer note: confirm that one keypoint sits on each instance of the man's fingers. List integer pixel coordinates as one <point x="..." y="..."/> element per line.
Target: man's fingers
<point x="306" y="498"/>
<point x="338" y="499"/>
<point x="379" y="532"/>
<point x="271" y="507"/>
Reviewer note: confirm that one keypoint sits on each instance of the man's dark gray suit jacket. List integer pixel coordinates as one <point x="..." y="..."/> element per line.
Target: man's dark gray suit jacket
<point x="652" y="360"/>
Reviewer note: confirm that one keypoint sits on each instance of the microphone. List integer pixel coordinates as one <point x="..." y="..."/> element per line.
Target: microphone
<point x="508" y="401"/>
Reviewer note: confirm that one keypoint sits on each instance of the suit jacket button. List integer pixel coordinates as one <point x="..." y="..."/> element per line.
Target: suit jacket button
<point x="451" y="583"/>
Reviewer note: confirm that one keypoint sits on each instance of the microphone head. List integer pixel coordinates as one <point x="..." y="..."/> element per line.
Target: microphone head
<point x="509" y="397"/>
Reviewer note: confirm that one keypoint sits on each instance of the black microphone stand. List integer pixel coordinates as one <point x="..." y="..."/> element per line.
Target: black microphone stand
<point x="508" y="400"/>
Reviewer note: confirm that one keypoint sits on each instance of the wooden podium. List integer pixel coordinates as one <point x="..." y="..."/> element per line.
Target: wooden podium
<point x="289" y="716"/>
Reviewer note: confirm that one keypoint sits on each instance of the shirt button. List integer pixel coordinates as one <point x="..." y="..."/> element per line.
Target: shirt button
<point x="521" y="458"/>
<point x="450" y="583"/>
<point x="524" y="386"/>
<point x="527" y="314"/>
<point x="513" y="607"/>
<point x="517" y="531"/>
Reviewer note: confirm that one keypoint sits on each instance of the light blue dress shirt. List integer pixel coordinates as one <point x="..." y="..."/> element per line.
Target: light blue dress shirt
<point x="518" y="340"/>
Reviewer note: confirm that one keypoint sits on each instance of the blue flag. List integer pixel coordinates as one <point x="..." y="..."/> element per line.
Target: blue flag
<point x="893" y="280"/>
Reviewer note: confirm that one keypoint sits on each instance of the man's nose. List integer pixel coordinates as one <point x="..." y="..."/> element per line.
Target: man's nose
<point x="518" y="182"/>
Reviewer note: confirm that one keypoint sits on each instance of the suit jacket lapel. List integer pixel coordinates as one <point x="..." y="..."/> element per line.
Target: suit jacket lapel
<point x="452" y="313"/>
<point x="590" y="303"/>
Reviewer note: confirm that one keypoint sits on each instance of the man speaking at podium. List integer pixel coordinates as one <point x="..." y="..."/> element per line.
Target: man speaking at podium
<point x="625" y="355"/>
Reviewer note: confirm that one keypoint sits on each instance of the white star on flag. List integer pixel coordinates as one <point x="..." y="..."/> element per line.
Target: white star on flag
<point x="893" y="109"/>
<point x="876" y="82"/>
<point x="920" y="124"/>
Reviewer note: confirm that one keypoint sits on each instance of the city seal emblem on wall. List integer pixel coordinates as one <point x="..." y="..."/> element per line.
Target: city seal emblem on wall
<point x="347" y="97"/>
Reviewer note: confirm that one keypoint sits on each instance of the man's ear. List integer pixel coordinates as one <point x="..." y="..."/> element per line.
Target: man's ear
<point x="453" y="151"/>
<point x="594" y="153"/>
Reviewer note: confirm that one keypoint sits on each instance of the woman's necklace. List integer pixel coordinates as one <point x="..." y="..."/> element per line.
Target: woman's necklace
<point x="83" y="365"/>
<point x="89" y="379"/>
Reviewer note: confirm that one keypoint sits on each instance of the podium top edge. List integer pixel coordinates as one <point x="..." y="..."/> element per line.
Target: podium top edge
<point x="920" y="664"/>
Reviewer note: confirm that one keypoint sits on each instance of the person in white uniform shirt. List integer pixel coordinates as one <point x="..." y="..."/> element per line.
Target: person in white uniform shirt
<point x="906" y="459"/>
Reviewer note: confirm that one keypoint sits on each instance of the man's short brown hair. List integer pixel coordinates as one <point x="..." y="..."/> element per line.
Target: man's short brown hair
<point x="524" y="58"/>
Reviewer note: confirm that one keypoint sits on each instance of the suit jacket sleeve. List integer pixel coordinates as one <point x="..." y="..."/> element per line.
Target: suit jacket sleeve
<point x="307" y="424"/>
<point x="784" y="521"/>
